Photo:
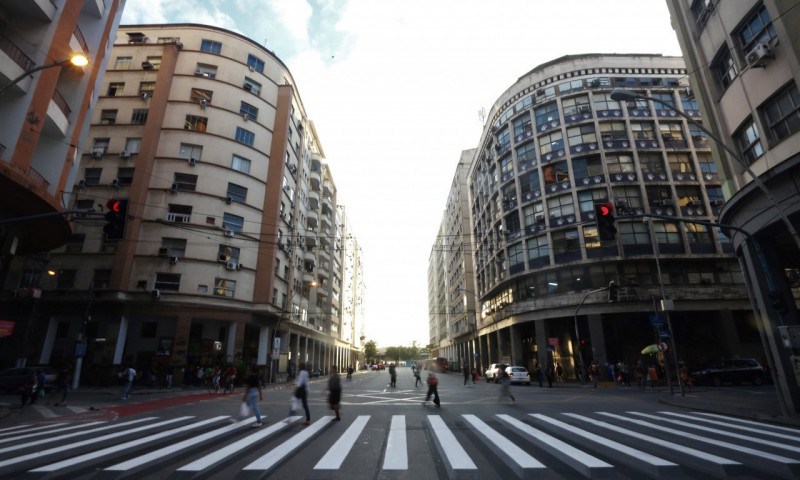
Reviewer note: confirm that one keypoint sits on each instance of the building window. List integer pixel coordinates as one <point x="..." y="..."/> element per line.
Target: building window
<point x="707" y="164"/>
<point x="224" y="287"/>
<point x="210" y="46"/>
<point x="199" y="96"/>
<point x="75" y="241"/>
<point x="108" y="117"/>
<point x="671" y="132"/>
<point x="240" y="164"/>
<point x="633" y="233"/>
<point x="196" y="123"/>
<point x="652" y="163"/>
<point x="588" y="199"/>
<point x="101" y="145"/>
<point x="185" y="181"/>
<point x="538" y="247"/>
<point x="576" y="105"/>
<point x="205" y="70"/>
<point x="602" y="101"/>
<point x="581" y="135"/>
<point x="523" y="128"/>
<point x="133" y="145"/>
<point x="610" y="131"/>
<point x="782" y="113"/>
<point x="125" y="175"/>
<point x="91" y="176"/>
<point x="698" y="234"/>
<point x="702" y="9"/>
<point x="680" y="163"/>
<point x="122" y="63"/>
<point x="664" y="98"/>
<point x="147" y="87"/>
<point x="187" y="151"/>
<point x="667" y="233"/>
<point x="620" y="164"/>
<point x="248" y="111"/>
<point x="561" y="206"/>
<point x="233" y="223"/>
<point x="102" y="278"/>
<point x="516" y="255"/>
<point x="179" y="213"/>
<point x="115" y="89"/>
<point x="139" y="116"/>
<point x="175" y="247"/>
<point x="643" y="130"/>
<point x="584" y="167"/>
<point x="153" y="62"/>
<point x="255" y="63"/>
<point x="168" y="282"/>
<point x="627" y="197"/>
<point x="689" y="196"/>
<point x="529" y="182"/>
<point x="565" y="242"/>
<point x="66" y="279"/>
<point x="546" y="113"/>
<point x="226" y="254"/>
<point x="252" y="86"/>
<point x="526" y="153"/>
<point x="551" y="143"/>
<point x="749" y="141"/>
<point x="237" y="193"/>
<point x="756" y="29"/>
<point x="245" y="136"/>
<point x="724" y="67"/>
<point x="555" y="172"/>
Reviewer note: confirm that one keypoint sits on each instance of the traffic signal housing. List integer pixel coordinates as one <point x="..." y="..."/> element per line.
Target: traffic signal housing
<point x="613" y="292"/>
<point x="116" y="218"/>
<point x="606" y="228"/>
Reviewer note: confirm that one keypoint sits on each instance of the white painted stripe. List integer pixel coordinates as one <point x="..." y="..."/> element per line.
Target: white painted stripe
<point x="455" y="453"/>
<point x="718" y="443"/>
<point x="211" y="459"/>
<point x="70" y="436"/>
<point x="175" y="448"/>
<point x="46" y="412"/>
<point x="70" y="446"/>
<point x="509" y="448"/>
<point x="333" y="459"/>
<point x="52" y="431"/>
<point x="548" y="442"/>
<point x="616" y="447"/>
<point x="762" y="425"/>
<point x="71" y="462"/>
<point x="28" y="429"/>
<point x="727" y="424"/>
<point x="396" y="455"/>
<point x="5" y="431"/>
<point x="280" y="452"/>
<point x="724" y="433"/>
<point x="663" y="443"/>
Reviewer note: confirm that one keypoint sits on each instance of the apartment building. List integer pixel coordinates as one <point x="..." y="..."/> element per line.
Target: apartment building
<point x="555" y="146"/>
<point x="231" y="251"/>
<point x="744" y="67"/>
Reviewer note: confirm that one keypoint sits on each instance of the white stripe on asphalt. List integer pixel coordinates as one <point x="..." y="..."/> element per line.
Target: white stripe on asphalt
<point x="213" y="458"/>
<point x="44" y="411"/>
<point x="52" y="431"/>
<point x="749" y="422"/>
<point x="11" y="430"/>
<point x="70" y="462"/>
<point x="728" y="424"/>
<point x="70" y="446"/>
<point x="451" y="449"/>
<point x="47" y="429"/>
<point x="333" y="459"/>
<point x="280" y="452"/>
<point x="71" y="435"/>
<point x="511" y="452"/>
<point x="396" y="455"/>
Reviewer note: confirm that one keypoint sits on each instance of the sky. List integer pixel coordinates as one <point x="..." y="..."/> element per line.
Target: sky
<point x="395" y="89"/>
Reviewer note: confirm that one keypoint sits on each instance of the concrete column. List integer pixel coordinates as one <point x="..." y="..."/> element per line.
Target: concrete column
<point x="542" y="332"/>
<point x="597" y="340"/>
<point x="230" y="344"/>
<point x="516" y="345"/>
<point x="727" y="330"/>
<point x="49" y="340"/>
<point x="263" y="346"/>
<point x="122" y="335"/>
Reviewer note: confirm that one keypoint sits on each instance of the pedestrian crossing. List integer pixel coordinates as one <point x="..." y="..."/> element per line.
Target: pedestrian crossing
<point x="602" y="444"/>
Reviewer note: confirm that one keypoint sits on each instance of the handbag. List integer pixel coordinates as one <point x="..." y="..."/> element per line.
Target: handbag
<point x="296" y="404"/>
<point x="298" y="392"/>
<point x="244" y="410"/>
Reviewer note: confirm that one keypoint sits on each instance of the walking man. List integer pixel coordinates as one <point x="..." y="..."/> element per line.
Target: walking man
<point x="594" y="373"/>
<point x="433" y="389"/>
<point x="417" y="377"/>
<point x="129" y="375"/>
<point x="335" y="393"/>
<point x="505" y="388"/>
<point x="466" y="374"/>
<point x="301" y="392"/>
<point x="392" y="375"/>
<point x="62" y="385"/>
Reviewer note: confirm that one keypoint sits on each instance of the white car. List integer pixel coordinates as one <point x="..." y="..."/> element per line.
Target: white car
<point x="518" y="375"/>
<point x="492" y="373"/>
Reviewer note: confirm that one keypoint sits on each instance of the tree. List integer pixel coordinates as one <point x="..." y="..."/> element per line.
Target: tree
<point x="370" y="350"/>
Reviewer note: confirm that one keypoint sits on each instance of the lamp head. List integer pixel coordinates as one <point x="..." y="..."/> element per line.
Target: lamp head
<point x="79" y="60"/>
<point x="620" y="94"/>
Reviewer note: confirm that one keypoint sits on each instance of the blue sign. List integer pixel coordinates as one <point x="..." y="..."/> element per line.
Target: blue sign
<point x="663" y="333"/>
<point x="80" y="350"/>
<point x="656" y="319"/>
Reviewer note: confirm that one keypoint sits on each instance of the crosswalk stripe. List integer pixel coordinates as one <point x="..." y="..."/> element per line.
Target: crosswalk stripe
<point x="69" y="436"/>
<point x="267" y="461"/>
<point x="729" y="424"/>
<point x="587" y="465"/>
<point x="516" y="458"/>
<point x="28" y="429"/>
<point x="150" y="458"/>
<point x="217" y="456"/>
<point x="748" y="438"/>
<point x="44" y="411"/>
<point x="12" y="430"/>
<point x="718" y="465"/>
<point x="333" y="459"/>
<point x="70" y="446"/>
<point x="396" y="455"/>
<point x="457" y="458"/>
<point x="760" y="425"/>
<point x="637" y="459"/>
<point x="55" y="429"/>
<point x="71" y="462"/>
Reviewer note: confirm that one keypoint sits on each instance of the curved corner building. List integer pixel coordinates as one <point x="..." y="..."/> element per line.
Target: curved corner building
<point x="556" y="145"/>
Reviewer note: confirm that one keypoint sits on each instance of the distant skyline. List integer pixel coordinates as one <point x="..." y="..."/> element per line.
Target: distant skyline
<point x="395" y="88"/>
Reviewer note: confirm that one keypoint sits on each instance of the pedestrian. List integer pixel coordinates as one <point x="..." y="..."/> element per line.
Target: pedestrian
<point x="170" y="375"/>
<point x="475" y="375"/>
<point x="301" y="392"/>
<point x="559" y="373"/>
<point x="652" y="376"/>
<point x="335" y="394"/>
<point x="62" y="385"/>
<point x="28" y="389"/>
<point x="594" y="373"/>
<point x="350" y="373"/>
<point x="216" y="376"/>
<point x="505" y="386"/>
<point x="230" y="378"/>
<point x="433" y="389"/>
<point x="537" y="372"/>
<point x="128" y="375"/>
<point x="549" y="373"/>
<point x="466" y="374"/>
<point x="392" y="376"/>
<point x="40" y="386"/>
<point x="417" y="378"/>
<point x="252" y="396"/>
<point x="686" y="380"/>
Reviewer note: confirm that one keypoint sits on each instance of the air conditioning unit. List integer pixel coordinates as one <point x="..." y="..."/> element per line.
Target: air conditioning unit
<point x="98" y="154"/>
<point x="718" y="202"/>
<point x="173" y="260"/>
<point x="163" y="252"/>
<point x="147" y="65"/>
<point x="115" y="183"/>
<point x="81" y="183"/>
<point x="124" y="154"/>
<point x="192" y="162"/>
<point x="230" y="266"/>
<point x="246" y="117"/>
<point x="222" y="258"/>
<point x="758" y="55"/>
<point x="584" y="109"/>
<point x="156" y="294"/>
<point x="228" y="233"/>
<point x="539" y="218"/>
<point x="203" y="103"/>
<point x="252" y="68"/>
<point x="174" y="188"/>
<point x="248" y="87"/>
<point x="229" y="200"/>
<point x="179" y="44"/>
<point x="144" y="95"/>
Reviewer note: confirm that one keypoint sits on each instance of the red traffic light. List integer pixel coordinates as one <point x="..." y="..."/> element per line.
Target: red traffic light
<point x="606" y="209"/>
<point x="113" y="206"/>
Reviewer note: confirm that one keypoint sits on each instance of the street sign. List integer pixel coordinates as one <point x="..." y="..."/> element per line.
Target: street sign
<point x="6" y="328"/>
<point x="276" y="343"/>
<point x="80" y="350"/>
<point x="553" y="341"/>
<point x="662" y="347"/>
<point x="656" y="319"/>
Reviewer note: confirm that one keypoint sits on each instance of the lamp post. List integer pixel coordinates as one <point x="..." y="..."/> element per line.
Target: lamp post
<point x="580" y="372"/>
<point x="76" y="59"/>
<point x="620" y="94"/>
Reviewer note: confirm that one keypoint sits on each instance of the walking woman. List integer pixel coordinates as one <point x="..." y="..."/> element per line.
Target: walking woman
<point x="335" y="393"/>
<point x="253" y="395"/>
<point x="301" y="392"/>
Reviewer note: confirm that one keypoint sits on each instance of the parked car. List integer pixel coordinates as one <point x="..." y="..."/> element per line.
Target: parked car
<point x="731" y="370"/>
<point x="11" y="379"/>
<point x="492" y="372"/>
<point x="518" y="375"/>
<point x="378" y="366"/>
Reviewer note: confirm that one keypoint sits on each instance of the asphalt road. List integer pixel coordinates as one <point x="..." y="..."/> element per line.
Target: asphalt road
<point x="387" y="433"/>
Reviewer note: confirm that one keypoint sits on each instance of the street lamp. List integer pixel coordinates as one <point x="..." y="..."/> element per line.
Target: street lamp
<point x="620" y="94"/>
<point x="75" y="59"/>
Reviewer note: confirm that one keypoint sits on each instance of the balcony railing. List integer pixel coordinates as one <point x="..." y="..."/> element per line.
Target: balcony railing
<point x="81" y="39"/>
<point x="37" y="178"/>
<point x="15" y="53"/>
<point x="62" y="104"/>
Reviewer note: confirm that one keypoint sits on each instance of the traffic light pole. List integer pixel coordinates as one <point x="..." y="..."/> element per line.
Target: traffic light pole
<point x="581" y="366"/>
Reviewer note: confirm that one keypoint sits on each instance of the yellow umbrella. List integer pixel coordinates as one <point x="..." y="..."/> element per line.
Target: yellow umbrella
<point x="650" y="349"/>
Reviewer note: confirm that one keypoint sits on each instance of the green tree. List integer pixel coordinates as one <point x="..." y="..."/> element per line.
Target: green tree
<point x="370" y="350"/>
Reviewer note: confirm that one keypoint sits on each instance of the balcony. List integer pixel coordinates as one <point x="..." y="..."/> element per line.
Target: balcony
<point x="41" y="10"/>
<point x="58" y="113"/>
<point x="13" y="63"/>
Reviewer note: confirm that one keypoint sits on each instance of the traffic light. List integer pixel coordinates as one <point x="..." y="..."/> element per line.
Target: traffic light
<point x="613" y="292"/>
<point x="116" y="217"/>
<point x="604" y="214"/>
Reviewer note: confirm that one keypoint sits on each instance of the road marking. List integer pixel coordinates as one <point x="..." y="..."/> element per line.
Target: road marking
<point x="71" y="462"/>
<point x="516" y="458"/>
<point x="338" y="452"/>
<point x="213" y="458"/>
<point x="27" y="429"/>
<point x="44" y="411"/>
<point x="748" y="422"/>
<point x="281" y="451"/>
<point x="13" y="430"/>
<point x="51" y="431"/>
<point x="729" y="424"/>
<point x="71" y="435"/>
<point x="396" y="455"/>
<point x="457" y="458"/>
